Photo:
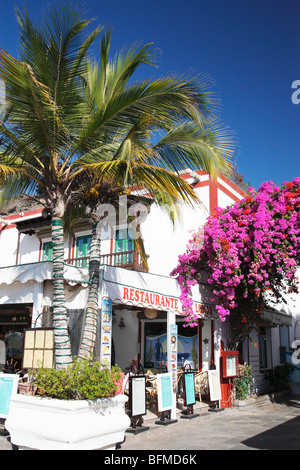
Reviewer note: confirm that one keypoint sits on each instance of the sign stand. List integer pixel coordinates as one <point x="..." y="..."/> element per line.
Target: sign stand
<point x="214" y="407"/>
<point x="165" y="399"/>
<point x="137" y="403"/>
<point x="165" y="418"/>
<point x="214" y="390"/>
<point x="189" y="396"/>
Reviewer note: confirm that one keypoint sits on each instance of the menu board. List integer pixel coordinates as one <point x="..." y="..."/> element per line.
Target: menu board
<point x="137" y="390"/>
<point x="230" y="364"/>
<point x="214" y="385"/>
<point x="8" y="387"/>
<point x="106" y="339"/>
<point x="189" y="389"/>
<point x="164" y="392"/>
<point x="38" y="350"/>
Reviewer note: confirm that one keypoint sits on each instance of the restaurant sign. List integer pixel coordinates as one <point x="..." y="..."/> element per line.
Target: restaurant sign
<point x="143" y="298"/>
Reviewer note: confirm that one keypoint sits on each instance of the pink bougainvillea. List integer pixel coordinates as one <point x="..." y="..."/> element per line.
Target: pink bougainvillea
<point x="245" y="250"/>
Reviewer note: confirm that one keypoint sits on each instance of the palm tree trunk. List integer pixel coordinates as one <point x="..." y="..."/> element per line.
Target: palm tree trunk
<point x="91" y="317"/>
<point x="62" y="347"/>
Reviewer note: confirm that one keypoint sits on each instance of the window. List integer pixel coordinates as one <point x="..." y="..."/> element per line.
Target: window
<point x="47" y="251"/>
<point x="123" y="244"/>
<point x="83" y="247"/>
<point x="265" y="356"/>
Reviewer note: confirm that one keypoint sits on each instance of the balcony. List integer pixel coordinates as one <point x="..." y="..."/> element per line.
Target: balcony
<point x="125" y="259"/>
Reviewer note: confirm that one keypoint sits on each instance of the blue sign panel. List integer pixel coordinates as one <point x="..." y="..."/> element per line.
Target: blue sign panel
<point x="189" y="385"/>
<point x="164" y="386"/>
<point x="8" y="387"/>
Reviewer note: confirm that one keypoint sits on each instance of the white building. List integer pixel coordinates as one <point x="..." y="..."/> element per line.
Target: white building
<point x="145" y="305"/>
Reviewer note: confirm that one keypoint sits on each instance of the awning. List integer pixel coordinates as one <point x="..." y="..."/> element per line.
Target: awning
<point x="146" y="290"/>
<point x="122" y="286"/>
<point x="277" y="318"/>
<point x="41" y="271"/>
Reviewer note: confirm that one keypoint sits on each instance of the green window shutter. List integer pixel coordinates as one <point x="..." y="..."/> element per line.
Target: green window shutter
<point x="83" y="247"/>
<point x="47" y="251"/>
<point x="123" y="243"/>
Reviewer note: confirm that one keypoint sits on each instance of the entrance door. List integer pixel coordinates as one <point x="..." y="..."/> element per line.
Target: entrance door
<point x="13" y="320"/>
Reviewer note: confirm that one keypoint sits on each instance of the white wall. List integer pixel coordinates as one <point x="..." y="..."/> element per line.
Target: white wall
<point x="28" y="249"/>
<point x="163" y="241"/>
<point x="8" y="246"/>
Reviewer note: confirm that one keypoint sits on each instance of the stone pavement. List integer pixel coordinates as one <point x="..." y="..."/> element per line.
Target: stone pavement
<point x="264" y="425"/>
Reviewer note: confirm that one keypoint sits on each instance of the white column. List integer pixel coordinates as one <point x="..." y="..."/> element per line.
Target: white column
<point x="171" y="321"/>
<point x="37" y="304"/>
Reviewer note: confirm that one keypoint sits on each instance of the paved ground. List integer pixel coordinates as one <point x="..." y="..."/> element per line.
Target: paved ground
<point x="264" y="425"/>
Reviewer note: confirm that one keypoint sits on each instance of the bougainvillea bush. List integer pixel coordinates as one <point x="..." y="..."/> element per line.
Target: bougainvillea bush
<point x="249" y="252"/>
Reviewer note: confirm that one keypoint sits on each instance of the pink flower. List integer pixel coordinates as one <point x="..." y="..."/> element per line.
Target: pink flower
<point x="254" y="243"/>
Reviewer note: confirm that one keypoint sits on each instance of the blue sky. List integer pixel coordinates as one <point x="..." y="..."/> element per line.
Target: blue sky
<point x="248" y="48"/>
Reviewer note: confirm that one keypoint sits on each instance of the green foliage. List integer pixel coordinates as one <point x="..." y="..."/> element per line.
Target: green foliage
<point x="242" y="382"/>
<point x="82" y="380"/>
<point x="279" y="378"/>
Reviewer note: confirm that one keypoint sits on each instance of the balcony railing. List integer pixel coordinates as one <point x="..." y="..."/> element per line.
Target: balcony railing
<point x="125" y="259"/>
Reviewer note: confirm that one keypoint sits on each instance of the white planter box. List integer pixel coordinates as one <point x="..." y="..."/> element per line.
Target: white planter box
<point x="50" y="424"/>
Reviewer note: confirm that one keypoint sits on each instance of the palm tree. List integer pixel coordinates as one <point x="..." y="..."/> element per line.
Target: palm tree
<point x="66" y="116"/>
<point x="86" y="198"/>
<point x="131" y="157"/>
<point x="43" y="96"/>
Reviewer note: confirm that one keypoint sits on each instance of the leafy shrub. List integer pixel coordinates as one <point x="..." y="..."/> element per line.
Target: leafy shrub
<point x="242" y="382"/>
<point x="280" y="377"/>
<point x="82" y="380"/>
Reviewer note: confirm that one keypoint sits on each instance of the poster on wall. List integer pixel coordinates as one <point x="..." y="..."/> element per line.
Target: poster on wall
<point x="155" y="345"/>
<point x="106" y="339"/>
<point x="155" y="350"/>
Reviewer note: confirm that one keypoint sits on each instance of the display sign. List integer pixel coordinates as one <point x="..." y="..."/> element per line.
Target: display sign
<point x="173" y="357"/>
<point x="230" y="363"/>
<point x="106" y="339"/>
<point x="189" y="389"/>
<point x="137" y="395"/>
<point x="38" y="349"/>
<point x="164" y="392"/>
<point x="8" y="388"/>
<point x="214" y="385"/>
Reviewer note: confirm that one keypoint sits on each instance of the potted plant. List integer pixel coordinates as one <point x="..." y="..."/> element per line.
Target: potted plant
<point x="76" y="408"/>
<point x="242" y="383"/>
